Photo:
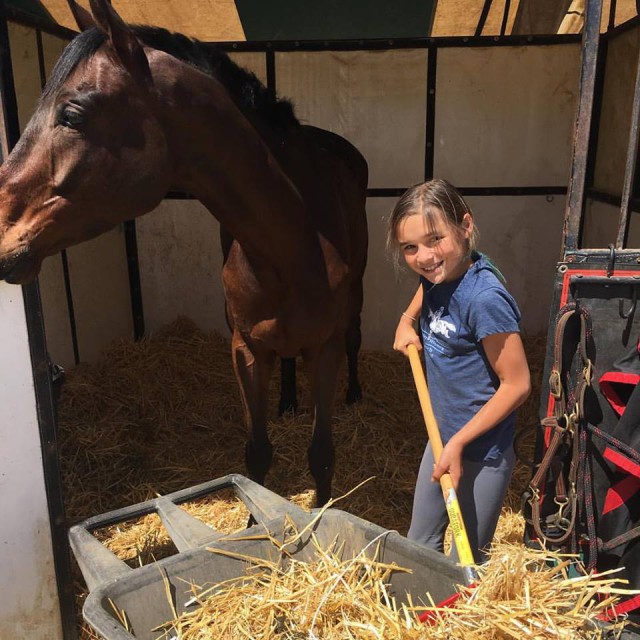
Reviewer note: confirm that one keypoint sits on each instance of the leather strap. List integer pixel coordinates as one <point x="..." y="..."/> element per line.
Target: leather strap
<point x="568" y="413"/>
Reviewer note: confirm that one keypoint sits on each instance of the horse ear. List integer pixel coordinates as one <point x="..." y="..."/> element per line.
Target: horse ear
<point x="83" y="18"/>
<point x="122" y="39"/>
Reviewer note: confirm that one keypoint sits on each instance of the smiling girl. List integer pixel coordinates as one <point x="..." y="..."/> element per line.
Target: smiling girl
<point x="476" y="365"/>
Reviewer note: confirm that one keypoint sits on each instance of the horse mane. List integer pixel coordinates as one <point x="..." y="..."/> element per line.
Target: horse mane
<point x="244" y="87"/>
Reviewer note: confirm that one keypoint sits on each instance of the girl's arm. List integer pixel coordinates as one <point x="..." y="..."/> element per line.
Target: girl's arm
<point x="405" y="331"/>
<point x="507" y="358"/>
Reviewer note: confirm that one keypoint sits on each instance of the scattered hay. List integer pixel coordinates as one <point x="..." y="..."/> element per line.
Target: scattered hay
<point x="164" y="413"/>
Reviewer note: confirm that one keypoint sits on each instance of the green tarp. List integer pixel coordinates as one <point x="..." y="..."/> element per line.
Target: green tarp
<point x="335" y="19"/>
<point x="30" y="7"/>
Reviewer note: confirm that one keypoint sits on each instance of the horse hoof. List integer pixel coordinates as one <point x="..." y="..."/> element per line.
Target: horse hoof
<point x="354" y="394"/>
<point x="287" y="407"/>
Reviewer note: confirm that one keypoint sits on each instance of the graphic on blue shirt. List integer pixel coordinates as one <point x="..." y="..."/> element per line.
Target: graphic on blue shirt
<point x="456" y="316"/>
<point x="437" y="325"/>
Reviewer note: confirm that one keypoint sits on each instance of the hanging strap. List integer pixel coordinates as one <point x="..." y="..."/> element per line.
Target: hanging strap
<point x="568" y="414"/>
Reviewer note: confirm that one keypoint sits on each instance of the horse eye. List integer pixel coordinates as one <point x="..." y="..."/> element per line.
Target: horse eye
<point x="70" y="117"/>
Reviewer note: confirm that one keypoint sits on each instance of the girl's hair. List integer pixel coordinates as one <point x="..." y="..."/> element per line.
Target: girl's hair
<point x="428" y="198"/>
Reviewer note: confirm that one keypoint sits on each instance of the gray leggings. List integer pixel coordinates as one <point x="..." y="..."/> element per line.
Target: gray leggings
<point x="480" y="493"/>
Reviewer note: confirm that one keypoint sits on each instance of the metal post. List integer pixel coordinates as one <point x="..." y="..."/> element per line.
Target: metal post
<point x="575" y="200"/>
<point x="630" y="169"/>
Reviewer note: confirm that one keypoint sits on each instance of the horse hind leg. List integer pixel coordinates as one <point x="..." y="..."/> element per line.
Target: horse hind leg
<point x="353" y="341"/>
<point x="323" y="367"/>
<point x="288" y="391"/>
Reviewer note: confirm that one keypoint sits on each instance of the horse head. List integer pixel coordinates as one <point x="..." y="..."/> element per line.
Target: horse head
<point x="93" y="154"/>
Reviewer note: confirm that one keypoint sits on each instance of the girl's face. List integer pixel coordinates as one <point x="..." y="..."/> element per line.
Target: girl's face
<point x="439" y="252"/>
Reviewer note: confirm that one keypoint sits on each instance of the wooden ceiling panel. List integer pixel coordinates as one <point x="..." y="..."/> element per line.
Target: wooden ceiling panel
<point x="202" y="19"/>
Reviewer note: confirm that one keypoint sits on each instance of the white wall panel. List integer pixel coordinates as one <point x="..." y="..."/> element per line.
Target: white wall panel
<point x="100" y="285"/>
<point x="181" y="266"/>
<point x="615" y="118"/>
<point x="504" y="115"/>
<point x="376" y="99"/>
<point x="387" y="290"/>
<point x="29" y="603"/>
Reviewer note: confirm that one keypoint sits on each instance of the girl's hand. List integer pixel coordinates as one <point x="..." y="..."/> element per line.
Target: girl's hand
<point x="450" y="462"/>
<point x="406" y="335"/>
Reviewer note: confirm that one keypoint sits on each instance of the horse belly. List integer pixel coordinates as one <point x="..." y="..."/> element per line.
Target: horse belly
<point x="287" y="317"/>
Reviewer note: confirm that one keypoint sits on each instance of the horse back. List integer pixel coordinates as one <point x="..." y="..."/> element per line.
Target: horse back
<point x="342" y="149"/>
<point x="348" y="161"/>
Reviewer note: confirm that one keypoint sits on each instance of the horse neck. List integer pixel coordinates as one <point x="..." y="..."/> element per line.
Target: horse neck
<point x="223" y="161"/>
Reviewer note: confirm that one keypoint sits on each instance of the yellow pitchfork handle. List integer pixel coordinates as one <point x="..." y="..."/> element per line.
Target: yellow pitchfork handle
<point x="450" y="498"/>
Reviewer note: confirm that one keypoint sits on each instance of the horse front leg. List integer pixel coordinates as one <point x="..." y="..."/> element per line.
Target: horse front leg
<point x="323" y="366"/>
<point x="253" y="370"/>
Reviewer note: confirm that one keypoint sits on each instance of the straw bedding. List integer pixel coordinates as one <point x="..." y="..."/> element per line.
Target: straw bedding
<point x="164" y="413"/>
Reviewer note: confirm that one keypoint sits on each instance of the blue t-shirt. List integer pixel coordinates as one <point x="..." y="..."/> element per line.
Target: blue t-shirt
<point x="455" y="317"/>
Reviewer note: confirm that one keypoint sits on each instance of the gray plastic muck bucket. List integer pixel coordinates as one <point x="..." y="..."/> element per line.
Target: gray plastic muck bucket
<point x="142" y="593"/>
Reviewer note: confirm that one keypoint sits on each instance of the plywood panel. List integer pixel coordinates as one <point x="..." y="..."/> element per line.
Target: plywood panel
<point x="376" y="99"/>
<point x="181" y="266"/>
<point x="52" y="48"/>
<point x="203" y="19"/>
<point x="504" y="115"/>
<point x="253" y="61"/>
<point x="53" y="299"/>
<point x="26" y="75"/>
<point x="601" y="226"/>
<point x="100" y="286"/>
<point x="523" y="236"/>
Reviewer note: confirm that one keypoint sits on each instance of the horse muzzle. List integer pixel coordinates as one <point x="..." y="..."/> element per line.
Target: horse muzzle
<point x="19" y="267"/>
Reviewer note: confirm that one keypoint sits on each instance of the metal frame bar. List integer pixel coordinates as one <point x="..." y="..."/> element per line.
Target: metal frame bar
<point x="135" y="285"/>
<point x="397" y="43"/>
<point x="630" y="167"/>
<point x="484" y="14"/>
<point x="430" y="123"/>
<point x="43" y="392"/>
<point x="609" y="198"/>
<point x="575" y="200"/>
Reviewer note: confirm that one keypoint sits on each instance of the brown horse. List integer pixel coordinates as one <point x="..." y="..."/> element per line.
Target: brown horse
<point x="130" y="113"/>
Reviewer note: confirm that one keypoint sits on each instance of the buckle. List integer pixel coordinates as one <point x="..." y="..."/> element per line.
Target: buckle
<point x="555" y="384"/>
